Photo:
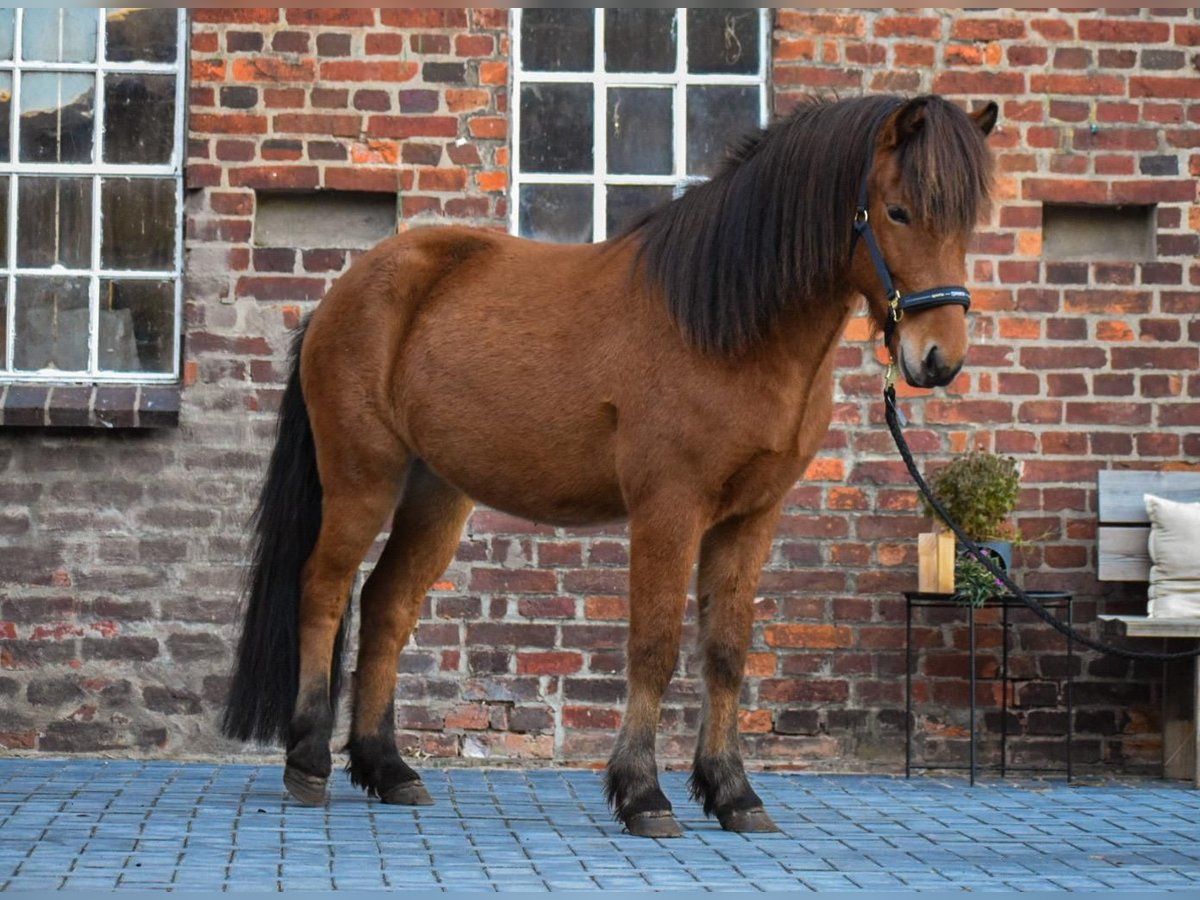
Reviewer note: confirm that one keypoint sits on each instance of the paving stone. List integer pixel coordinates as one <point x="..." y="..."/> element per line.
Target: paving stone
<point x="92" y="825"/>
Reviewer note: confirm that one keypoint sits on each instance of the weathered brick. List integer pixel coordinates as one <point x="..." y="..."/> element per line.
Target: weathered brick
<point x="243" y="42"/>
<point x="345" y="125"/>
<point x="79" y="737"/>
<point x="170" y="700"/>
<point x="929" y="27"/>
<point x="240" y="15"/>
<point x="291" y="42"/>
<point x="120" y="648"/>
<point x="275" y="177"/>
<point x="333" y="45"/>
<point x="424" y="17"/>
<point x="1123" y="30"/>
<point x="549" y="663"/>
<point x="413" y="126"/>
<point x="357" y="70"/>
<point x="969" y="29"/>
<point x="339" y="17"/>
<point x="808" y="636"/>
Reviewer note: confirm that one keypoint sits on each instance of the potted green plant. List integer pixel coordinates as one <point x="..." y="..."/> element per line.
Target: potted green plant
<point x="979" y="491"/>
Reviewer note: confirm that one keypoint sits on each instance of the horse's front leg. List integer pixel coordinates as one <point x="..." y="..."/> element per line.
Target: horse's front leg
<point x="663" y="545"/>
<point x="731" y="557"/>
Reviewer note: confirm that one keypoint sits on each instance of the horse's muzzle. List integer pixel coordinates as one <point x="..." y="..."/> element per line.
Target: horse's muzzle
<point x="934" y="370"/>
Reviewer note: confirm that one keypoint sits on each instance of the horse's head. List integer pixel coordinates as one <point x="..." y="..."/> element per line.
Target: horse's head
<point x="928" y="181"/>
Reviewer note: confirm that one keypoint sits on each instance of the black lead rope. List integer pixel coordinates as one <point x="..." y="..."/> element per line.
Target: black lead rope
<point x="897" y="304"/>
<point x="893" y="421"/>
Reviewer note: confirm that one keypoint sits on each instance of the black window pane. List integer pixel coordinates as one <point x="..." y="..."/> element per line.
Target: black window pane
<point x="51" y="324"/>
<point x="640" y="131"/>
<point x="139" y="223"/>
<point x="139" y="118"/>
<point x="59" y="34"/>
<point x="556" y="128"/>
<point x="57" y="117"/>
<point x="557" y="40"/>
<point x="6" y="39"/>
<point x="628" y="201"/>
<point x="56" y="222"/>
<point x="723" y="41"/>
<point x="4" y="181"/>
<point x="717" y="117"/>
<point x="141" y="35"/>
<point x="639" y="40"/>
<point x="5" y="116"/>
<point x="557" y="212"/>
<point x="137" y="326"/>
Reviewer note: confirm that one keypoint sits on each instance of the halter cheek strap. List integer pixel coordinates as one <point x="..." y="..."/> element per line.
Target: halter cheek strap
<point x="897" y="303"/>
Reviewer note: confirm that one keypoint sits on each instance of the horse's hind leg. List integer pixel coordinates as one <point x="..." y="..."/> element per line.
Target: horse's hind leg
<point x="425" y="535"/>
<point x="731" y="557"/>
<point x="663" y="546"/>
<point x="359" y="491"/>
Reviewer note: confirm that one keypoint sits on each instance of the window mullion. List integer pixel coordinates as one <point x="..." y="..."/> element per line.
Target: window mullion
<point x="764" y="29"/>
<point x="97" y="224"/>
<point x="10" y="285"/>
<point x="600" y="135"/>
<point x="181" y="105"/>
<point x="680" y="106"/>
<point x="514" y="105"/>
<point x="94" y="283"/>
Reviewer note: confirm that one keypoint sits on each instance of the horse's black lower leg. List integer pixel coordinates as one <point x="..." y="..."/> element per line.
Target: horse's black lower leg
<point x="309" y="761"/>
<point x="632" y="789"/>
<point x="719" y="781"/>
<point x="375" y="766"/>
<point x="720" y="785"/>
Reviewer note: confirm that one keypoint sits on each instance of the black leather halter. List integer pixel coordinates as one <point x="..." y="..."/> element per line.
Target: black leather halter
<point x="898" y="304"/>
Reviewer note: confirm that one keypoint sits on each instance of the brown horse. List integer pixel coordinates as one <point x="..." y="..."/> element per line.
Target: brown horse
<point x="679" y="376"/>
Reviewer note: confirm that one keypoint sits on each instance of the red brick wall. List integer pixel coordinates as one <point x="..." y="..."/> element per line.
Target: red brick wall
<point x="125" y="551"/>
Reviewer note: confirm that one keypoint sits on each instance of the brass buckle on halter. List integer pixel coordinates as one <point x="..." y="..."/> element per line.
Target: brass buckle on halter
<point x="894" y="306"/>
<point x="890" y="374"/>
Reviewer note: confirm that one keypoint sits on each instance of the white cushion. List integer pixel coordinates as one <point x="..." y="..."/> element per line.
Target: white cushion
<point x="1175" y="554"/>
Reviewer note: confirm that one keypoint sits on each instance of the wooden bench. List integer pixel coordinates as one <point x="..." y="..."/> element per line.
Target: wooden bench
<point x="1124" y="555"/>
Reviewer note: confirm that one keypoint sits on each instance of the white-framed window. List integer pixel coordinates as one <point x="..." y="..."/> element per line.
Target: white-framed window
<point x="92" y="104"/>
<point x="613" y="109"/>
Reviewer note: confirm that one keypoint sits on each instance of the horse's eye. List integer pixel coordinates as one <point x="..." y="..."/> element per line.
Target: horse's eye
<point x="898" y="214"/>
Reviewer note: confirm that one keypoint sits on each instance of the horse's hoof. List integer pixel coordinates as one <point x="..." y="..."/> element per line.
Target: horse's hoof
<point x="411" y="793"/>
<point x="657" y="824"/>
<point x="308" y="789"/>
<point x="747" y="821"/>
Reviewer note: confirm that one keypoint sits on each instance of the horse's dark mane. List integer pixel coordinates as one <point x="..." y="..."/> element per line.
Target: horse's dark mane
<point x="772" y="228"/>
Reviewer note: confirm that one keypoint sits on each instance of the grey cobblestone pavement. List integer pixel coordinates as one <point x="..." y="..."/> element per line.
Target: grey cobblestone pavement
<point x="92" y="824"/>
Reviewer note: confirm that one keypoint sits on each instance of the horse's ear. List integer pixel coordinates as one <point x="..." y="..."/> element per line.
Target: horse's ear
<point x="907" y="121"/>
<point x="986" y="118"/>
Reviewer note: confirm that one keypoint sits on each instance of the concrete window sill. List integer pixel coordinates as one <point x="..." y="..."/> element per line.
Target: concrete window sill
<point x="89" y="406"/>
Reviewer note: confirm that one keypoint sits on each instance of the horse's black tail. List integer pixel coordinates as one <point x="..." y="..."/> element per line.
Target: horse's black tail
<point x="287" y="521"/>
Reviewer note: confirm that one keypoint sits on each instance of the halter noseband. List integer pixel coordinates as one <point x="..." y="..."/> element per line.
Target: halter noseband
<point x="897" y="303"/>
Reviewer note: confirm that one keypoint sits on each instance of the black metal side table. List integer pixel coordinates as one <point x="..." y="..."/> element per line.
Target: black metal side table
<point x="1060" y="600"/>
